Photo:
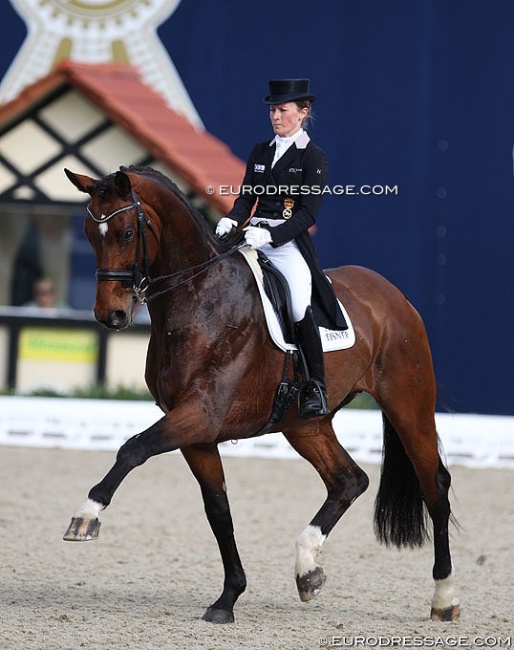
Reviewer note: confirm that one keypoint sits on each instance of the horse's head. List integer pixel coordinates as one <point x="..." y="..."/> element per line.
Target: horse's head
<point x="117" y="229"/>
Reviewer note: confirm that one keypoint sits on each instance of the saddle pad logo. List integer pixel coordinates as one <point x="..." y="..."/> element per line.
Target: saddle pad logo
<point x="259" y="168"/>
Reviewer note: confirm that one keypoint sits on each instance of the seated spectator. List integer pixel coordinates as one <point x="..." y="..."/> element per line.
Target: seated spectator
<point x="44" y="296"/>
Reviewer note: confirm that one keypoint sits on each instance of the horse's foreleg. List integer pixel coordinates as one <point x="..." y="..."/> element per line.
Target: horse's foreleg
<point x="205" y="463"/>
<point x="85" y="524"/>
<point x="344" y="481"/>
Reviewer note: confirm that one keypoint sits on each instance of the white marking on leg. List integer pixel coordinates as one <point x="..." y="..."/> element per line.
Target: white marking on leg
<point x="308" y="547"/>
<point x="103" y="227"/>
<point x="444" y="596"/>
<point x="89" y="510"/>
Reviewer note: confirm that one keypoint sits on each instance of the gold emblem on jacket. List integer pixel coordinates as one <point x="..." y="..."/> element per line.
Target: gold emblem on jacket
<point x="287" y="213"/>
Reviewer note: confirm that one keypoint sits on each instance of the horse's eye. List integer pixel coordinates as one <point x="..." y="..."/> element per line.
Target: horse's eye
<point x="129" y="235"/>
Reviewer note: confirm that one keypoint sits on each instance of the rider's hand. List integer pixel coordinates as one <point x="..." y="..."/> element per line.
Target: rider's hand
<point x="257" y="237"/>
<point x="225" y="225"/>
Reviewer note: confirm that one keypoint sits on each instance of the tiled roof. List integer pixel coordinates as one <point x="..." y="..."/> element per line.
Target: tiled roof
<point x="196" y="156"/>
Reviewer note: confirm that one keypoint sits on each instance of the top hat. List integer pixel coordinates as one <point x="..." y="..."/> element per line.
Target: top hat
<point x="288" y="90"/>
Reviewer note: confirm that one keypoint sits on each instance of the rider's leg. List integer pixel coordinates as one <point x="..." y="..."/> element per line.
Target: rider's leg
<point x="291" y="263"/>
<point x="313" y="392"/>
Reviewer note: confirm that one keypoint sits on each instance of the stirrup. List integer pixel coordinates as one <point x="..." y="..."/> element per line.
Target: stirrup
<point x="312" y="400"/>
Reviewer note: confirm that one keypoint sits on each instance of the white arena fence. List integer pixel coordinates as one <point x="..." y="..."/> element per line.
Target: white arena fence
<point x="68" y="423"/>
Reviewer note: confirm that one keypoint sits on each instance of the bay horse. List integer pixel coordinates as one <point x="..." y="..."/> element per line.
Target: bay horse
<point x="213" y="370"/>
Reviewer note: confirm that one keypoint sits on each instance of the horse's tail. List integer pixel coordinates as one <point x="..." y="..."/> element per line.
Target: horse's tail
<point x="400" y="512"/>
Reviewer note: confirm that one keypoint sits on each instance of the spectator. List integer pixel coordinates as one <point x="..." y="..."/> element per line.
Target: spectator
<point x="44" y="296"/>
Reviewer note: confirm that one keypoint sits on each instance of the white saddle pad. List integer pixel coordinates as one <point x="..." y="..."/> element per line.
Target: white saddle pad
<point x="331" y="339"/>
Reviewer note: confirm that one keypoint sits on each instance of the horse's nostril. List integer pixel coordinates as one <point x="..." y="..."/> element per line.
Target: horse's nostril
<point x="118" y="318"/>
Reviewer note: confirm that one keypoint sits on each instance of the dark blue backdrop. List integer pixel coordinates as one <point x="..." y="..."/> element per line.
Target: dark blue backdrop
<point x="418" y="95"/>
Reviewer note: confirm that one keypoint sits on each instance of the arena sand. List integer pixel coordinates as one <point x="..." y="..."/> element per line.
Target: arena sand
<point x="145" y="583"/>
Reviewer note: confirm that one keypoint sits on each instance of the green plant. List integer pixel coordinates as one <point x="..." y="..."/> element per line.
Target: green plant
<point x="95" y="391"/>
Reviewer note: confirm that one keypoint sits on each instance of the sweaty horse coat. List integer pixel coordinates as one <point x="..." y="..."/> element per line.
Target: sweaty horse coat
<point x="213" y="369"/>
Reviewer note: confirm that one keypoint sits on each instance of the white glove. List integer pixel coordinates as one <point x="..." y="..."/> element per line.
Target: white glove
<point x="257" y="237"/>
<point x="224" y="226"/>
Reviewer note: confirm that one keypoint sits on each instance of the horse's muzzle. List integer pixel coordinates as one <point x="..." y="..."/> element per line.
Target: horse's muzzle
<point x="117" y="319"/>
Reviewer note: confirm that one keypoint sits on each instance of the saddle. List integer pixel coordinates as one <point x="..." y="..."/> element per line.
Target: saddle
<point x="277" y="289"/>
<point x="276" y="301"/>
<point x="274" y="290"/>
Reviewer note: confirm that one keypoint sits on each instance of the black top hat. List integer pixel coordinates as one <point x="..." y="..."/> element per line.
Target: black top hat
<point x="288" y="90"/>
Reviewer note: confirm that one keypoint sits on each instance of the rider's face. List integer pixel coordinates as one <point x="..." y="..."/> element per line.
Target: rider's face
<point x="287" y="118"/>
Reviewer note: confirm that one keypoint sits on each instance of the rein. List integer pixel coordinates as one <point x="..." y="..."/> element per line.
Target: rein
<point x="196" y="270"/>
<point x="138" y="278"/>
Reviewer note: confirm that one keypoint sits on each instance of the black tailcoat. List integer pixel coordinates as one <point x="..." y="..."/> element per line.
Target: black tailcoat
<point x="293" y="190"/>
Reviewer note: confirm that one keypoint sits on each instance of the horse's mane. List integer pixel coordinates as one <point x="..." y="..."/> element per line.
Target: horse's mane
<point x="145" y="170"/>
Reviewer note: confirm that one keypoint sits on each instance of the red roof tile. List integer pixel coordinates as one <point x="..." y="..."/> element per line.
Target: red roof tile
<point x="195" y="155"/>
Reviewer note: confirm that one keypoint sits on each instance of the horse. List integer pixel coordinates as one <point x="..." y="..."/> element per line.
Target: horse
<point x="213" y="370"/>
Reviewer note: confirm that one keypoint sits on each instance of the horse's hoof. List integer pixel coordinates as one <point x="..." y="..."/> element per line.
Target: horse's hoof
<point x="82" y="530"/>
<point x="447" y="614"/>
<point x="310" y="584"/>
<point x="213" y="615"/>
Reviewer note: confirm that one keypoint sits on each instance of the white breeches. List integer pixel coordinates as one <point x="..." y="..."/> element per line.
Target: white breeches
<point x="291" y="263"/>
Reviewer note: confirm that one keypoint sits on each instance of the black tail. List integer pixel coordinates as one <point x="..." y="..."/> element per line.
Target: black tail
<point x="400" y="512"/>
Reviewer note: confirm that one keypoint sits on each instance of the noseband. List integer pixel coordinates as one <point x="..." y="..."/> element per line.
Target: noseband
<point x="135" y="276"/>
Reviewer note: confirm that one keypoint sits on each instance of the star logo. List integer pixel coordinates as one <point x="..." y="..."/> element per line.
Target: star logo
<point x="97" y="31"/>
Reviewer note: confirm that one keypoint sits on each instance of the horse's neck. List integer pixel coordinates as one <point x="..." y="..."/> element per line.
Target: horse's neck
<point x="179" y="252"/>
<point x="228" y="284"/>
<point x="184" y="242"/>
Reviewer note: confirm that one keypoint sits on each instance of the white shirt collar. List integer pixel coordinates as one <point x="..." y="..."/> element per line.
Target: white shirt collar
<point x="301" y="138"/>
<point x="285" y="143"/>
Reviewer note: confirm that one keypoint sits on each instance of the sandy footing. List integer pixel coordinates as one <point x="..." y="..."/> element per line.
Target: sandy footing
<point x="145" y="583"/>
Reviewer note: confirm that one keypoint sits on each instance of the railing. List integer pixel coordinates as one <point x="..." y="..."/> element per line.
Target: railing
<point x="67" y="349"/>
<point x="471" y="440"/>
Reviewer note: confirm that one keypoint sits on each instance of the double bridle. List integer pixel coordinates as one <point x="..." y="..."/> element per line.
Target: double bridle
<point x="137" y="275"/>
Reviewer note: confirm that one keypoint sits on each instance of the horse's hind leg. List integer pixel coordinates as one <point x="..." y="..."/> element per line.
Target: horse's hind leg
<point x="413" y="474"/>
<point x="344" y="481"/>
<point x="445" y="605"/>
<point x="205" y="463"/>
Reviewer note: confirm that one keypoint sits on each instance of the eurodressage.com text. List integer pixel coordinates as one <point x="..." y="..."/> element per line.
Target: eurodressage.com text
<point x="416" y="642"/>
<point x="303" y="190"/>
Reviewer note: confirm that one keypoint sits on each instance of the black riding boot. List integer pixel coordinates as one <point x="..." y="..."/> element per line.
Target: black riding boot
<point x="312" y="398"/>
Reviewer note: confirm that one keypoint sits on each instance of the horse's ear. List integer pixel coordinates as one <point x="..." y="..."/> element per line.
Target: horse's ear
<point x="122" y="183"/>
<point x="82" y="183"/>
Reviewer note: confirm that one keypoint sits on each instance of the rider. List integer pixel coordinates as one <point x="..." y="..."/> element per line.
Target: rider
<point x="284" y="176"/>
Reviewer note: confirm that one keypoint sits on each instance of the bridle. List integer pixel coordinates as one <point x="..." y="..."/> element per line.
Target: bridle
<point x="137" y="275"/>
